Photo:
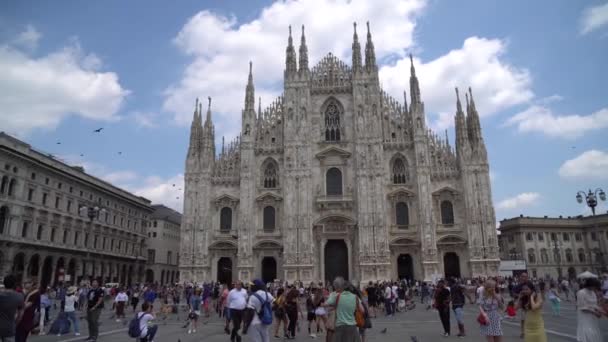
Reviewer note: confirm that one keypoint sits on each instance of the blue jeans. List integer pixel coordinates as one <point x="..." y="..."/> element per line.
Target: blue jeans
<point x="71" y="316"/>
<point x="388" y="306"/>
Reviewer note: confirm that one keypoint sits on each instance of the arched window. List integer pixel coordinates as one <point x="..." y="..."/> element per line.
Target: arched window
<point x="531" y="256"/>
<point x="332" y="122"/>
<point x="569" y="257"/>
<point x="544" y="256"/>
<point x="269" y="218"/>
<point x="333" y="182"/>
<point x="39" y="232"/>
<point x="447" y="213"/>
<point x="270" y="176"/>
<point x="11" y="187"/>
<point x="401" y="214"/>
<point x="400" y="175"/>
<point x="226" y="219"/>
<point x="4" y="184"/>
<point x="3" y="218"/>
<point x="581" y="255"/>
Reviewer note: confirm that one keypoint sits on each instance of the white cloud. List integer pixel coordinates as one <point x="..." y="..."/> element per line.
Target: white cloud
<point x="221" y="49"/>
<point x="519" y="201"/>
<point x="119" y="177"/>
<point x="593" y="18"/>
<point x="592" y="164"/>
<point x="145" y="119"/>
<point x="541" y="119"/>
<point x="41" y="92"/>
<point x="167" y="191"/>
<point x="496" y="84"/>
<point x="549" y="99"/>
<point x="28" y="39"/>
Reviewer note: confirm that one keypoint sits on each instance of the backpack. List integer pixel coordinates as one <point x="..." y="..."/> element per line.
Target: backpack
<point x="266" y="313"/>
<point x="134" y="329"/>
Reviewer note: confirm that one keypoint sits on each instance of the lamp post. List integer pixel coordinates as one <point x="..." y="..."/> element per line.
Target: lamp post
<point x="558" y="257"/>
<point x="591" y="199"/>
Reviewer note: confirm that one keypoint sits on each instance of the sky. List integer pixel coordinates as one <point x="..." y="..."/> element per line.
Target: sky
<point x="538" y="70"/>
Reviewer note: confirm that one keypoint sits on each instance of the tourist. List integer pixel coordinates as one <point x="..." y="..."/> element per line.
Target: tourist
<point x="458" y="299"/>
<point x="532" y="303"/>
<point x="310" y="312"/>
<point x="224" y="310"/>
<point x="94" y="307"/>
<point x="279" y="312"/>
<point x="372" y="298"/>
<point x="237" y="301"/>
<point x="135" y="298"/>
<point x="490" y="306"/>
<point x="388" y="300"/>
<point x="11" y="308"/>
<point x="70" y="308"/>
<point x="120" y="302"/>
<point x="345" y="303"/>
<point x="424" y="293"/>
<point x="523" y="280"/>
<point x="368" y="322"/>
<point x="555" y="299"/>
<point x="292" y="310"/>
<point x="442" y="304"/>
<point x="589" y="312"/>
<point x="259" y="297"/>
<point x="145" y="317"/>
<point x="320" y="311"/>
<point x="195" y="310"/>
<point x="32" y="304"/>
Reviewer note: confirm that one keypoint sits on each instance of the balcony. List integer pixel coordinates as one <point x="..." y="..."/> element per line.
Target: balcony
<point x="324" y="202"/>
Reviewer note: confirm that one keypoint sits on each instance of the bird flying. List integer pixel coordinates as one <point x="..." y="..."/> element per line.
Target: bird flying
<point x="98" y="130"/>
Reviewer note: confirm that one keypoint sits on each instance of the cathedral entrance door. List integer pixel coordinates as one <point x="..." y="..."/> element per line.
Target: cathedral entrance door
<point x="405" y="267"/>
<point x="336" y="260"/>
<point x="224" y="270"/>
<point x="269" y="269"/>
<point x="451" y="265"/>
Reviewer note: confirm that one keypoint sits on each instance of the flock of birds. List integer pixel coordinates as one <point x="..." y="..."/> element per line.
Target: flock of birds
<point x="98" y="130"/>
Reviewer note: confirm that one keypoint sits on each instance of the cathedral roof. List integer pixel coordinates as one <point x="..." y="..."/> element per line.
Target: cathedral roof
<point x="331" y="75"/>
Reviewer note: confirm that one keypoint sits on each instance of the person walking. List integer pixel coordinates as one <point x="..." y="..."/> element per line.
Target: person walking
<point x="145" y="317"/>
<point x="237" y="301"/>
<point x="94" y="307"/>
<point x="121" y="301"/>
<point x="71" y="301"/>
<point x="555" y="300"/>
<point x="345" y="303"/>
<point x="388" y="300"/>
<point x="442" y="304"/>
<point x="279" y="312"/>
<point x="11" y="308"/>
<point x="458" y="299"/>
<point x="534" y="329"/>
<point x="490" y="307"/>
<point x="291" y="309"/>
<point x="27" y="323"/>
<point x="135" y="298"/>
<point x="589" y="312"/>
<point x="195" y="310"/>
<point x="257" y="301"/>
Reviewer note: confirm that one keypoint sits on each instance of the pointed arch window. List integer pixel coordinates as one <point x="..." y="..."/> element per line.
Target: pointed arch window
<point x="333" y="182"/>
<point x="226" y="219"/>
<point x="269" y="218"/>
<point x="447" y="213"/>
<point x="332" y="122"/>
<point x="402" y="216"/>
<point x="400" y="175"/>
<point x="270" y="176"/>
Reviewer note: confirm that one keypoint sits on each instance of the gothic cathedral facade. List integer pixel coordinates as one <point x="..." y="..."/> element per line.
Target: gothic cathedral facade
<point x="336" y="177"/>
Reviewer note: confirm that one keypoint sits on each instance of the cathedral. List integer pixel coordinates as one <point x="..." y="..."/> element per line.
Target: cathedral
<point x="337" y="178"/>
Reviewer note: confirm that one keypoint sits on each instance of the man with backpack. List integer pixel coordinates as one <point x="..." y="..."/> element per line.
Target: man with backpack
<point x="141" y="325"/>
<point x="259" y="312"/>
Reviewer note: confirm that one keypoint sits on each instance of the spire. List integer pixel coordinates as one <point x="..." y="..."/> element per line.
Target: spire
<point x="404" y="101"/>
<point x="195" y="130"/>
<point x="473" y="124"/>
<point x="208" y="119"/>
<point x="250" y="91"/>
<point x="458" y="105"/>
<point x="414" y="87"/>
<point x="370" y="54"/>
<point x="460" y="123"/>
<point x="356" y="50"/>
<point x="260" y="108"/>
<point x="290" y="56"/>
<point x="195" y="115"/>
<point x="303" y="53"/>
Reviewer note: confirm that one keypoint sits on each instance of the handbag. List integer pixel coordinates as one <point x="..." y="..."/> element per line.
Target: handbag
<point x="359" y="316"/>
<point x="481" y="319"/>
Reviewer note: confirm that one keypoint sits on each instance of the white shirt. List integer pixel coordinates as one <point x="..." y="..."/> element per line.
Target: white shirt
<point x="394" y="289"/>
<point x="387" y="292"/>
<point x="255" y="304"/>
<point x="69" y="303"/>
<point x="143" y="322"/>
<point x="121" y="297"/>
<point x="237" y="299"/>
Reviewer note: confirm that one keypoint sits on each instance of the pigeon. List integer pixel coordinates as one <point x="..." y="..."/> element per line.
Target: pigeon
<point x="82" y="155"/>
<point x="383" y="331"/>
<point x="59" y="143"/>
<point x="176" y="197"/>
<point x="98" y="130"/>
<point x="173" y="185"/>
<point x="120" y="153"/>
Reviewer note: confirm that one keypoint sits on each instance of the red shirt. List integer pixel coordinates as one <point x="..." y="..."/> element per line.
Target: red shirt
<point x="511" y="311"/>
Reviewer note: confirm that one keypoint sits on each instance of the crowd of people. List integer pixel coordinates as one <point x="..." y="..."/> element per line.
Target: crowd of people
<point x="341" y="311"/>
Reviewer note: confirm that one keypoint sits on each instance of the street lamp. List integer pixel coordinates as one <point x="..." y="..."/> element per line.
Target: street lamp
<point x="591" y="200"/>
<point x="91" y="212"/>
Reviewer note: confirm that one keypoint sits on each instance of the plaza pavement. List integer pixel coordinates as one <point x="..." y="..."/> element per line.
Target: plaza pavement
<point x="420" y="323"/>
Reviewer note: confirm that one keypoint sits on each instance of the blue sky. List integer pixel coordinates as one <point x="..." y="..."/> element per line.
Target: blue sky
<point x="538" y="71"/>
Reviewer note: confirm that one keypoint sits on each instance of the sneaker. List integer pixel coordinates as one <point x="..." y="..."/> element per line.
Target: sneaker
<point x="76" y="334"/>
<point x="58" y="335"/>
<point x="193" y="330"/>
<point x="446" y="334"/>
<point x="313" y="336"/>
<point x="189" y="331"/>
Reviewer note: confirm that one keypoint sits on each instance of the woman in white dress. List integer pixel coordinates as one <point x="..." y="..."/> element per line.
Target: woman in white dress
<point x="588" y="312"/>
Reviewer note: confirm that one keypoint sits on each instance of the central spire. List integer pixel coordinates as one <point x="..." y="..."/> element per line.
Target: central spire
<point x="290" y="56"/>
<point x="370" y="54"/>
<point x="356" y="50"/>
<point x="303" y="53"/>
<point x="414" y="86"/>
<point x="250" y="91"/>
